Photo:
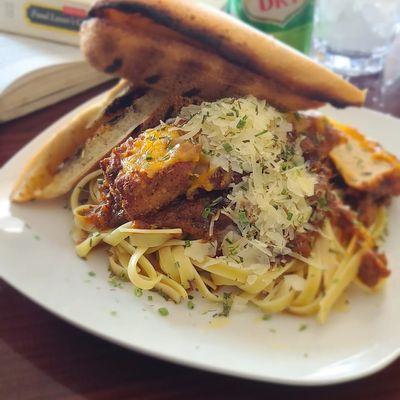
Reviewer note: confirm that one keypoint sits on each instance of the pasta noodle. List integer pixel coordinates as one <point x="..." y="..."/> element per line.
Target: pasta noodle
<point x="156" y="259"/>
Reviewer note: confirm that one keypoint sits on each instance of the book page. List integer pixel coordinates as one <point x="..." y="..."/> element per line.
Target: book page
<point x="20" y="55"/>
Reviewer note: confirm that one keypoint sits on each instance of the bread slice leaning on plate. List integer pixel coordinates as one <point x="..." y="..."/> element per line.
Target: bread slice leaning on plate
<point x="77" y="148"/>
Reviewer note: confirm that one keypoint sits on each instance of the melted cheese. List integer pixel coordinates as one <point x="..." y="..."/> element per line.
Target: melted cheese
<point x="362" y="163"/>
<point x="156" y="149"/>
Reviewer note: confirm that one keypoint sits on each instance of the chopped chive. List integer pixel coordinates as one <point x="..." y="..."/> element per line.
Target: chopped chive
<point x="148" y="157"/>
<point x="216" y="201"/>
<point x="150" y="298"/>
<point x="242" y="122"/>
<point x="205" y="117"/>
<point x="266" y="317"/>
<point x="138" y="291"/>
<point x="188" y="243"/>
<point x="190" y="297"/>
<point x="163" y="311"/>
<point x="261" y="133"/>
<point x="113" y="313"/>
<point x="36" y="237"/>
<point x="91" y="273"/>
<point x="289" y="216"/>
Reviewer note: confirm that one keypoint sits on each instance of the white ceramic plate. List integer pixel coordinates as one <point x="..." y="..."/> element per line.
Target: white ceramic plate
<point x="38" y="259"/>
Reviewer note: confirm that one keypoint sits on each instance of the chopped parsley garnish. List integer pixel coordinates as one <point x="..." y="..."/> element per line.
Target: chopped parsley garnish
<point x="138" y="291"/>
<point x="229" y="241"/>
<point x="91" y="273"/>
<point x="163" y="311"/>
<point x="206" y="212"/>
<point x="148" y="157"/>
<point x="302" y="327"/>
<point x="243" y="220"/>
<point x="227" y="302"/>
<point x="289" y="216"/>
<point x="188" y="243"/>
<point x="323" y="202"/>
<point x="288" y="153"/>
<point x="190" y="305"/>
<point x="242" y="122"/>
<point x="115" y="282"/>
<point x="227" y="147"/>
<point x="190" y="297"/>
<point x="150" y="298"/>
<point x="36" y="237"/>
<point x="266" y="317"/>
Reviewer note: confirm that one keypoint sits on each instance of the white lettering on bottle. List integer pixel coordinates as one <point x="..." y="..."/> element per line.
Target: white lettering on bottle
<point x="274" y="11"/>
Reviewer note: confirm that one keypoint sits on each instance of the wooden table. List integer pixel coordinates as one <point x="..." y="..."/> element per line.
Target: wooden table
<point x="42" y="357"/>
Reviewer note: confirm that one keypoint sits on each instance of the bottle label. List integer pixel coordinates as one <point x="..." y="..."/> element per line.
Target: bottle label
<point x="290" y="21"/>
<point x="273" y="11"/>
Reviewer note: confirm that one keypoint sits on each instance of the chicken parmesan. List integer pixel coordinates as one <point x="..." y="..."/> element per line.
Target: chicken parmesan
<point x="244" y="204"/>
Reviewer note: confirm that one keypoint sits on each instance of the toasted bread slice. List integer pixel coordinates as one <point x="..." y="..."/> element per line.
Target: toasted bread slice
<point x="364" y="165"/>
<point x="77" y="148"/>
<point x="184" y="46"/>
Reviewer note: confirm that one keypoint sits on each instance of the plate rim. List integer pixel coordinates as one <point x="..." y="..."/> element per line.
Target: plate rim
<point x="45" y="135"/>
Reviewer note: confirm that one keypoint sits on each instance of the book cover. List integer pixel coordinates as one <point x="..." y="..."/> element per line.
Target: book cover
<point x="55" y="20"/>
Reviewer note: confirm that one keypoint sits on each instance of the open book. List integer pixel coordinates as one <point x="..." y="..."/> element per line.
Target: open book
<point x="36" y="73"/>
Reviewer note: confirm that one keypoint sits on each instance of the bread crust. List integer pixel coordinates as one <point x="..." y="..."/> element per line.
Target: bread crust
<point x="221" y="36"/>
<point x="173" y="66"/>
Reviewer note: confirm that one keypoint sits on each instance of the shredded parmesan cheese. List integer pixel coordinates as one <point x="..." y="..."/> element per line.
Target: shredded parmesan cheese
<point x="269" y="204"/>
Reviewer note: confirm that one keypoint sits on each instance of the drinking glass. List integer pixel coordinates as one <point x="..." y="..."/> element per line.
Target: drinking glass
<point x="352" y="37"/>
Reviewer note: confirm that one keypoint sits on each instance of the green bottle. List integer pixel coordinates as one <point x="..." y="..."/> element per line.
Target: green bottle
<point x="290" y="21"/>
